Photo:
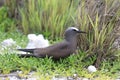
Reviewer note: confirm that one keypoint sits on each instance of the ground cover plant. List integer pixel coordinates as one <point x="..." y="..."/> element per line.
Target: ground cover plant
<point x="6" y="24"/>
<point x="47" y="68"/>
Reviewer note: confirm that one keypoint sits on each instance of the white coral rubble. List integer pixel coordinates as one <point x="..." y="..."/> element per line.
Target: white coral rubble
<point x="37" y="41"/>
<point x="8" y="42"/>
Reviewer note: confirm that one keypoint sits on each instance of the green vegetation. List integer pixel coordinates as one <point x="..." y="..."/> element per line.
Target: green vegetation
<point x="99" y="19"/>
<point x="47" y="68"/>
<point x="49" y="18"/>
<point x="6" y="24"/>
<point x="10" y="62"/>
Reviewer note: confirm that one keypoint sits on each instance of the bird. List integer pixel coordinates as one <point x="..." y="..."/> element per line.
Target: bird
<point x="59" y="50"/>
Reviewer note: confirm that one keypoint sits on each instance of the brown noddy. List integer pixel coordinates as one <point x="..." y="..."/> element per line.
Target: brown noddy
<point x="59" y="50"/>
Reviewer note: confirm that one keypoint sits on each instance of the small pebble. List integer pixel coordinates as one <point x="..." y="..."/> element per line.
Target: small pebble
<point x="75" y="75"/>
<point x="12" y="78"/>
<point x="70" y="78"/>
<point x="31" y="79"/>
<point x="59" y="78"/>
<point x="92" y="68"/>
<point x="85" y="79"/>
<point x="8" y="42"/>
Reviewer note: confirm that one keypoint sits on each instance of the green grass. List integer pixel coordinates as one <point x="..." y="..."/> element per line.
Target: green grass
<point x="47" y="17"/>
<point x="6" y="24"/>
<point x="94" y="18"/>
<point x="47" y="68"/>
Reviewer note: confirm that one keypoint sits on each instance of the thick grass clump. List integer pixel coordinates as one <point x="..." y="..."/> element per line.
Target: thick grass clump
<point x="100" y="19"/>
<point x="47" y="17"/>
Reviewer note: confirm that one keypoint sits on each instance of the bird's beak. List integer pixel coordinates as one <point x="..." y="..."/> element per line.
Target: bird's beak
<point x="81" y="32"/>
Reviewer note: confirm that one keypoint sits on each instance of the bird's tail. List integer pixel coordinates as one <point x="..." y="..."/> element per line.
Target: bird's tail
<point x="26" y="55"/>
<point x="27" y="50"/>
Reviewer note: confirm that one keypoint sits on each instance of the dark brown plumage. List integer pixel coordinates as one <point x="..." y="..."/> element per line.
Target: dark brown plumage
<point x="59" y="50"/>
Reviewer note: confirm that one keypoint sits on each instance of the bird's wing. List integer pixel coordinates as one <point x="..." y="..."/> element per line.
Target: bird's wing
<point x="56" y="50"/>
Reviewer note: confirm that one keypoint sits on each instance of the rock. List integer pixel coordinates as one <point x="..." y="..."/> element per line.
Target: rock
<point x="31" y="79"/>
<point x="37" y="41"/>
<point x="85" y="79"/>
<point x="59" y="78"/>
<point x="116" y="43"/>
<point x="92" y="68"/>
<point x="41" y="42"/>
<point x="31" y="43"/>
<point x="8" y="42"/>
<point x="13" y="78"/>
<point x="75" y="75"/>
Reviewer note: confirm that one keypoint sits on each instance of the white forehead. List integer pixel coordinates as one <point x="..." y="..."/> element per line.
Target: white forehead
<point x="73" y="28"/>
